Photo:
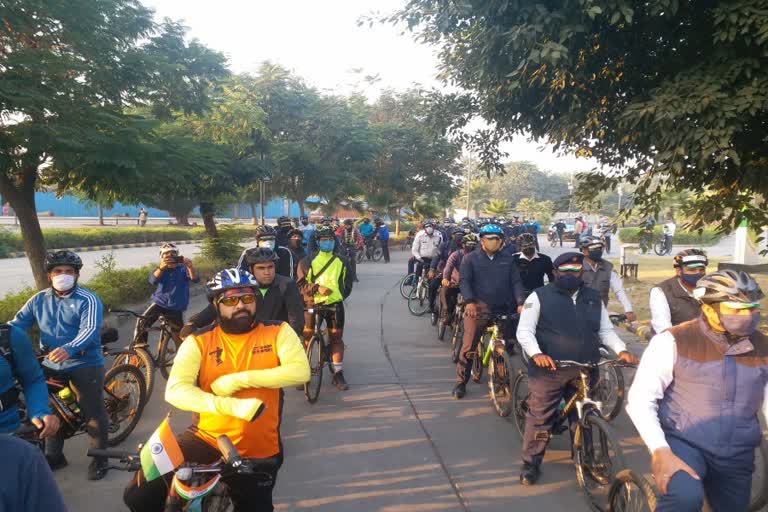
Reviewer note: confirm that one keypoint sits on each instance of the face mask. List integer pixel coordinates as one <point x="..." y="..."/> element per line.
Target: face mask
<point x="326" y="245"/>
<point x="305" y="222"/>
<point x="568" y="282"/>
<point x="63" y="282"/>
<point x="596" y="255"/>
<point x="740" y="325"/>
<point x="530" y="251"/>
<point x="691" y="279"/>
<point x="295" y="243"/>
<point x="267" y="244"/>
<point x="429" y="230"/>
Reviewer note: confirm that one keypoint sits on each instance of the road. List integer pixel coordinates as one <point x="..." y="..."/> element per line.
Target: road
<point x="396" y="441"/>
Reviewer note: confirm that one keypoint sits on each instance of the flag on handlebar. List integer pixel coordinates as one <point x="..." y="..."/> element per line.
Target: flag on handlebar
<point x="161" y="454"/>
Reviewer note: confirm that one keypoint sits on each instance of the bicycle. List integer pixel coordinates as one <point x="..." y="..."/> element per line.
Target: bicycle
<point x="457" y="329"/>
<point x="408" y="241"/>
<point x="406" y="284"/>
<point x="597" y="453"/>
<point x="371" y="250"/>
<point x="318" y="352"/>
<point x="138" y="353"/>
<point x="498" y="361"/>
<point x="662" y="247"/>
<point x="442" y="324"/>
<point x="418" y="298"/>
<point x="197" y="486"/>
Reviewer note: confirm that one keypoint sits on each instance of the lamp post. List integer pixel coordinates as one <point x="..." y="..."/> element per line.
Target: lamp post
<point x="262" y="181"/>
<point x="570" y="197"/>
<point x="469" y="180"/>
<point x="621" y="192"/>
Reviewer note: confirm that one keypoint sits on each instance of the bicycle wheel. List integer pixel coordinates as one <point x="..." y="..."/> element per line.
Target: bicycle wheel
<point x="141" y="359"/>
<point x="457" y="337"/>
<point x="418" y="303"/>
<point x="316" y="356"/>
<point x="360" y="256"/>
<point x="124" y="399"/>
<point x="631" y="492"/>
<point x="378" y="253"/>
<point x="759" y="496"/>
<point x="597" y="457"/>
<point x="660" y="248"/>
<point x="434" y="316"/>
<point x="520" y="396"/>
<point x="407" y="284"/>
<point x="499" y="383"/>
<point x="442" y="325"/>
<point x="217" y="501"/>
<point x="166" y="353"/>
<point x="477" y="360"/>
<point x="610" y="391"/>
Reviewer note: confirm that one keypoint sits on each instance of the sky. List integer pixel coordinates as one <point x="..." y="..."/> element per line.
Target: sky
<point x="321" y="42"/>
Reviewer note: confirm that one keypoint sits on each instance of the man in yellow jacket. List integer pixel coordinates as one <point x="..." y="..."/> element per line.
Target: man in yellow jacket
<point x="232" y="376"/>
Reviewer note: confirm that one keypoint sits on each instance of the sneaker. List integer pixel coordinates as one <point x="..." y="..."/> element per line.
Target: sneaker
<point x="56" y="462"/>
<point x="459" y="391"/>
<point x="97" y="469"/>
<point x="529" y="474"/>
<point x="339" y="381"/>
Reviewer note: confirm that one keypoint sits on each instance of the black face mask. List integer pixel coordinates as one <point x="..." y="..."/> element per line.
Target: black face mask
<point x="237" y="325"/>
<point x="529" y="251"/>
<point x="568" y="282"/>
<point x="596" y="255"/>
<point x="304" y="222"/>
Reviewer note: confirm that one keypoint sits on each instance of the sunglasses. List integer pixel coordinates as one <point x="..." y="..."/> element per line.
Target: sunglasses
<point x="570" y="268"/>
<point x="235" y="299"/>
<point x="491" y="238"/>
<point x="741" y="305"/>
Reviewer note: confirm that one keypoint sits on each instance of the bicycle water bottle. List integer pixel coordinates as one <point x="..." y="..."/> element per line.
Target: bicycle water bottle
<point x="69" y="400"/>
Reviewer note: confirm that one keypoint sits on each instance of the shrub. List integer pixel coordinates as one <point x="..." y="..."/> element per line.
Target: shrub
<point x="225" y="248"/>
<point x="707" y="237"/>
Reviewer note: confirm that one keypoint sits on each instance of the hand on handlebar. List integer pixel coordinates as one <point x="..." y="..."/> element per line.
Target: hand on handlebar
<point x="544" y="361"/>
<point x="629" y="358"/>
<point x="48" y="425"/>
<point x="631" y="316"/>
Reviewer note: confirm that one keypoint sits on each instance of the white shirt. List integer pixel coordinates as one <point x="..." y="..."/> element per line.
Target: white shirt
<point x="617" y="287"/>
<point x="669" y="228"/>
<point x="661" y="316"/>
<point x="425" y="246"/>
<point x="653" y="376"/>
<point x="529" y="318"/>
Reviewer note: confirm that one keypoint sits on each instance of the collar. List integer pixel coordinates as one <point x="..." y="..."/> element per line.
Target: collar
<point x="740" y="346"/>
<point x="596" y="265"/>
<point x="535" y="255"/>
<point x="51" y="293"/>
<point x="685" y="290"/>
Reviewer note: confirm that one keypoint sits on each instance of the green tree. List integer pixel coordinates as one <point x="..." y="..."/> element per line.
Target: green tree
<point x="63" y="91"/>
<point x="663" y="93"/>
<point x="542" y="210"/>
<point x="498" y="208"/>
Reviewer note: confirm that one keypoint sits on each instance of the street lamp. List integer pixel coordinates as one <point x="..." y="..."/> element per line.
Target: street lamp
<point x="570" y="197"/>
<point x="621" y="192"/>
<point x="262" y="181"/>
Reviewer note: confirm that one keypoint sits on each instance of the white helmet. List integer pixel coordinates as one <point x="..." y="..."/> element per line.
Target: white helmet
<point x="166" y="248"/>
<point x="229" y="279"/>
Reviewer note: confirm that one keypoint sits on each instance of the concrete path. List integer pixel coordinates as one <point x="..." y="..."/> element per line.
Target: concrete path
<point x="395" y="441"/>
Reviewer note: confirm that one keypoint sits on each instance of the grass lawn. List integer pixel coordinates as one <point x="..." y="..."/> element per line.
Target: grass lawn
<point x="655" y="269"/>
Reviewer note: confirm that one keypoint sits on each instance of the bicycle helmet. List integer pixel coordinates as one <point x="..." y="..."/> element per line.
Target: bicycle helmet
<point x="449" y="220"/>
<point x="166" y="248"/>
<point x="690" y="257"/>
<point x="326" y="221"/>
<point x="303" y="217"/>
<point x="348" y="222"/>
<point x="54" y="259"/>
<point x="260" y="255"/>
<point x="470" y="240"/>
<point x="491" y="229"/>
<point x="229" y="279"/>
<point x="283" y="221"/>
<point x="587" y="241"/>
<point x="265" y="232"/>
<point x="727" y="286"/>
<point x="526" y="240"/>
<point x="325" y="232"/>
<point x="293" y="232"/>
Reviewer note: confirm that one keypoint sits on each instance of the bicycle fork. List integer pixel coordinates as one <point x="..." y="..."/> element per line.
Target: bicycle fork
<point x="495" y="344"/>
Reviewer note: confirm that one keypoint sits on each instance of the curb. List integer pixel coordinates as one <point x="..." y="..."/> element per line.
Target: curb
<point x="108" y="247"/>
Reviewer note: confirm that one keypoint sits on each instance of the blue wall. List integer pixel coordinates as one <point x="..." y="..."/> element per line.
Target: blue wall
<point x="69" y="206"/>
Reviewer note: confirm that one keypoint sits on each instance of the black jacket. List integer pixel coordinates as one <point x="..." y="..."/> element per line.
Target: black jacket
<point x="495" y="282"/>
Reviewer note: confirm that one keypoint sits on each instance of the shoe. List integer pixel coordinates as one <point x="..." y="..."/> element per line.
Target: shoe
<point x="459" y="391"/>
<point x="340" y="382"/>
<point x="97" y="469"/>
<point x="56" y="462"/>
<point x="529" y="473"/>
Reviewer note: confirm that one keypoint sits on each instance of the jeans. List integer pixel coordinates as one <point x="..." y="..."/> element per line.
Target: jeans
<point x="385" y="249"/>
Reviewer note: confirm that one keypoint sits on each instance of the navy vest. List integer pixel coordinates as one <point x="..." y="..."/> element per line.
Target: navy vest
<point x="717" y="391"/>
<point x="566" y="330"/>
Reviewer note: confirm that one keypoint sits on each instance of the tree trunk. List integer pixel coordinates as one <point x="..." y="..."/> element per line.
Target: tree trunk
<point x="254" y="215"/>
<point x="207" y="211"/>
<point x="300" y="200"/>
<point x="101" y="215"/>
<point x="22" y="200"/>
<point x="182" y="219"/>
<point x="397" y="226"/>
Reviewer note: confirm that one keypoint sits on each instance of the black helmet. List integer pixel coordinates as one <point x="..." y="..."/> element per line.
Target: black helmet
<point x="265" y="232"/>
<point x="260" y="255"/>
<point x="378" y="222"/>
<point x="526" y="240"/>
<point x="295" y="231"/>
<point x="325" y="231"/>
<point x="586" y="241"/>
<point x="283" y="221"/>
<point x="54" y="259"/>
<point x="348" y="222"/>
<point x="326" y="221"/>
<point x="727" y="286"/>
<point x="303" y="217"/>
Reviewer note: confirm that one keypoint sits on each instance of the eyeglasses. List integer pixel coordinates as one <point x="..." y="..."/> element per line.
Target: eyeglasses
<point x="570" y="268"/>
<point x="492" y="238"/>
<point x="741" y="305"/>
<point x="233" y="301"/>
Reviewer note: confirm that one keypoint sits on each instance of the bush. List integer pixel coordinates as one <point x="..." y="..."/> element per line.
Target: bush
<point x="707" y="237"/>
<point x="226" y="248"/>
<point x="11" y="303"/>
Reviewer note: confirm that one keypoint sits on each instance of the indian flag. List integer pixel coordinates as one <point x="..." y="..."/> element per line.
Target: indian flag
<point x="161" y="454"/>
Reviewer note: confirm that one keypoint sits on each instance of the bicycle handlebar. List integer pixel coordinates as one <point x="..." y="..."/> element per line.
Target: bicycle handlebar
<point x="565" y="363"/>
<point x="111" y="454"/>
<point x="320" y="307"/>
<point x="125" y="312"/>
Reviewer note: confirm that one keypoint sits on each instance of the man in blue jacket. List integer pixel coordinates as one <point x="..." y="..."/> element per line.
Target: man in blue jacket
<point x="382" y="233"/>
<point x="68" y="317"/>
<point x="490" y="284"/>
<point x="27" y="484"/>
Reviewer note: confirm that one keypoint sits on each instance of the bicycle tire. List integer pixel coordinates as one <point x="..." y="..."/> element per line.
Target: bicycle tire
<point x="434" y="316"/>
<point x="441" y="327"/>
<point x="418" y="306"/>
<point x="457" y="340"/>
<point x="141" y="359"/>
<point x="477" y="361"/>
<point x="123" y="395"/>
<point x="405" y="289"/>
<point x="360" y="256"/>
<point x="659" y="248"/>
<point x="316" y="356"/>
<point x="620" y="496"/>
<point x="610" y="390"/>
<point x="378" y="254"/>
<point x="759" y="495"/>
<point x="499" y="383"/>
<point x="217" y="501"/>
<point x="520" y="396"/>
<point x="595" y="472"/>
<point x="165" y="353"/>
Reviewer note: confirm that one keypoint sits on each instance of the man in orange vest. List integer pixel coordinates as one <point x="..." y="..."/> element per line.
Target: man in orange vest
<point x="231" y="375"/>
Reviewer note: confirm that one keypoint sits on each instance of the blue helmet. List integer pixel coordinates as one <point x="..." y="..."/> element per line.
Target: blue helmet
<point x="229" y="279"/>
<point x="491" y="229"/>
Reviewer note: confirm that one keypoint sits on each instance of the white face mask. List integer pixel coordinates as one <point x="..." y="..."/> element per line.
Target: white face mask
<point x="429" y="230"/>
<point x="267" y="244"/>
<point x="63" y="282"/>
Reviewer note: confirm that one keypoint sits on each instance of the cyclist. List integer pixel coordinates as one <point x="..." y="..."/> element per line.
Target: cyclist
<point x="697" y="396"/>
<point x="425" y="247"/>
<point x="672" y="301"/>
<point x="382" y="235"/>
<point x="266" y="238"/>
<point x="324" y="279"/>
<point x="449" y="226"/>
<point x="534" y="228"/>
<point x="231" y="376"/>
<point x="490" y="283"/>
<point x="351" y="242"/>
<point x="599" y="275"/>
<point x="560" y="228"/>
<point x="18" y="365"/>
<point x="284" y="226"/>
<point x="579" y="230"/>
<point x="449" y="293"/>
<point x="547" y="332"/>
<point x="532" y="264"/>
<point x="278" y="297"/>
<point x="312" y="246"/>
<point x="437" y="264"/>
<point x="171" y="279"/>
<point x="646" y="232"/>
<point x="306" y="228"/>
<point x="365" y="228"/>
<point x="669" y="229"/>
<point x="27" y="484"/>
<point x="68" y="317"/>
<point x="296" y="247"/>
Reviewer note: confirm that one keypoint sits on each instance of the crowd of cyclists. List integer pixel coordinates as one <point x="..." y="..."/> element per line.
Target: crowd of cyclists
<point x="695" y="398"/>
